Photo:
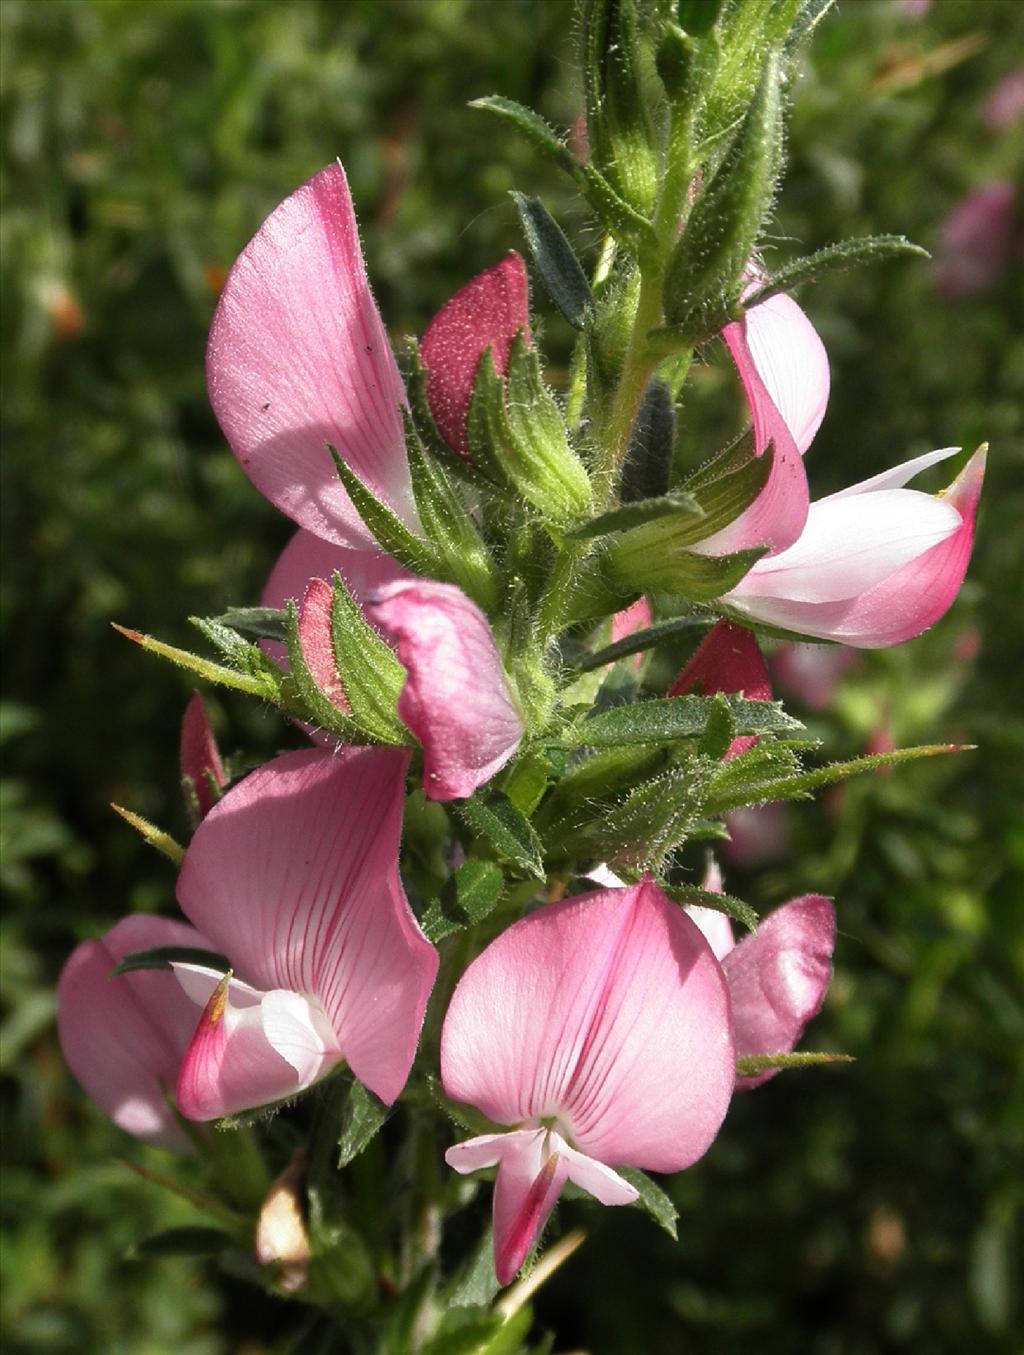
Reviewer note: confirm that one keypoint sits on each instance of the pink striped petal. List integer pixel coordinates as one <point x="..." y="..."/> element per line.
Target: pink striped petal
<point x="199" y="755"/>
<point x="783" y="368"/>
<point x="778" y="976"/>
<point x="123" y="1037"/>
<point x="487" y="313"/>
<point x="298" y="358"/>
<point x="294" y="876"/>
<point x="456" y="698"/>
<point x="728" y="659"/>
<point x="604" y="1015"/>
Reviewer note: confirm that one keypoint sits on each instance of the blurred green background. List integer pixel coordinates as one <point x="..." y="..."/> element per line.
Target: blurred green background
<point x="868" y="1209"/>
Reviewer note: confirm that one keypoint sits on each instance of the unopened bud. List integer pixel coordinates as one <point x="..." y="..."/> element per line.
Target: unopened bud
<point x="281" y="1236"/>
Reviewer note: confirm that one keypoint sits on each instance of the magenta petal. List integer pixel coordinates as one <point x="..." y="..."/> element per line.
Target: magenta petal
<point x="487" y="313"/>
<point x="456" y="698"/>
<point x="778" y="976"/>
<point x="728" y="659"/>
<point x="530" y="1180"/>
<point x="123" y="1038"/>
<point x="294" y="876"/>
<point x="606" y="1013"/>
<point x="199" y="755"/>
<point x="298" y="358"/>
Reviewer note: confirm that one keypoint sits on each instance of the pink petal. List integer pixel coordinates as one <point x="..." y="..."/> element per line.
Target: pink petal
<point x="714" y="926"/>
<point x="627" y="622"/>
<point x="487" y="313"/>
<point x="123" y="1037"/>
<point x="606" y="1014"/>
<point x="298" y="358"/>
<point x="778" y="976"/>
<point x="1005" y="105"/>
<point x="456" y="699"/>
<point x="728" y="659"/>
<point x="896" y="477"/>
<point x="199" y="755"/>
<point x="898" y="607"/>
<point x="294" y="874"/>
<point x="783" y="368"/>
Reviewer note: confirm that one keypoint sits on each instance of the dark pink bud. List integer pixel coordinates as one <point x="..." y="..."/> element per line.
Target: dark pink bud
<point x="200" y="757"/>
<point x="727" y="660"/>
<point x="487" y="313"/>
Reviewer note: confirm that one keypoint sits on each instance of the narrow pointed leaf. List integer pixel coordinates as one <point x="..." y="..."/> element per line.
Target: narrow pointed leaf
<point x="493" y="816"/>
<point x="833" y="259"/>
<point x="754" y="1064"/>
<point x="677" y="717"/>
<point x="266" y="687"/>
<point x="386" y="528"/>
<point x="693" y="896"/>
<point x="156" y="837"/>
<point x="266" y="623"/>
<point x="555" y="260"/>
<point x="652" y="1199"/>
<point x="639" y="641"/>
<point x="361" y="1119"/>
<point x="636" y="514"/>
<point x="163" y="957"/>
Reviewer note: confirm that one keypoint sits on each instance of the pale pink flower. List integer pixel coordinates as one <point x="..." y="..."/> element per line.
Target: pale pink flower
<point x="777" y="976"/>
<point x="199" y="755"/>
<point x="488" y="312"/>
<point x="975" y="241"/>
<point x="293" y="875"/>
<point x="598" y="1030"/>
<point x="1004" y="107"/>
<point x="727" y="660"/>
<point x="783" y="367"/>
<point x="123" y="1037"/>
<point x="456" y="698"/>
<point x="876" y="564"/>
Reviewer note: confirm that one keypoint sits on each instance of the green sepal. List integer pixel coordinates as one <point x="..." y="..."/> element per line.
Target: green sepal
<point x="677" y="717"/>
<point x="754" y="1064"/>
<point x="465" y="899"/>
<point x="555" y="260"/>
<point x="647" y="467"/>
<point x="317" y="708"/>
<point x="267" y="685"/>
<point x="835" y="258"/>
<point x="724" y="489"/>
<point x="460" y="1113"/>
<point x="362" y="1119"/>
<point x="720" y="729"/>
<point x="652" y="1199"/>
<point x="370" y="673"/>
<point x="186" y="1240"/>
<point x="385" y="527"/>
<point x="648" y="564"/>
<point x="713" y="251"/>
<point x="242" y="654"/>
<point x="636" y="514"/>
<point x="162" y="957"/>
<point x="692" y="896"/>
<point x="266" y="623"/>
<point x="492" y="816"/>
<point x="798" y="786"/>
<point x="528" y="778"/>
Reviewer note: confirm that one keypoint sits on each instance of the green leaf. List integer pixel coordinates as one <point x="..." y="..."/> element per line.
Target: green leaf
<point x="635" y="514"/>
<point x="691" y="896"/>
<point x="676" y="717"/>
<point x="493" y="816"/>
<point x="755" y="1064"/>
<point x="799" y="786"/>
<point x="555" y="260"/>
<point x="649" y="560"/>
<point x="811" y="14"/>
<point x="266" y="623"/>
<point x="189" y="1240"/>
<point x="833" y="259"/>
<point x="652" y="1199"/>
<point x="361" y="1119"/>
<point x="639" y="641"/>
<point x="529" y="125"/>
<point x="724" y="496"/>
<point x="467" y="897"/>
<point x="698" y="17"/>
<point x="720" y="729"/>
<point x="267" y="686"/>
<point x="370" y="673"/>
<point x="478" y="1284"/>
<point x="388" y="530"/>
<point x="319" y="709"/>
<point x="156" y="837"/>
<point x="242" y="653"/>
<point x="162" y="957"/>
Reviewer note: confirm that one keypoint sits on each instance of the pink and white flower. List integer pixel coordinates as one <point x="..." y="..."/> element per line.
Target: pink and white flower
<point x="598" y="1030"/>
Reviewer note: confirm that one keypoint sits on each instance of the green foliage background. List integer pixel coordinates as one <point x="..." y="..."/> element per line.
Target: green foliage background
<point x="861" y="1210"/>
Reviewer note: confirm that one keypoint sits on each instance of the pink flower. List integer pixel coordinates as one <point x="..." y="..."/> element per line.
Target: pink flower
<point x="1004" y="107"/>
<point x="974" y="242"/>
<point x="783" y="367"/>
<point x="597" y="1029"/>
<point x="488" y="312"/>
<point x="456" y="698"/>
<point x="294" y="876"/>
<point x="199" y="756"/>
<point x="777" y="976"/>
<point x="727" y="660"/>
<point x="812" y="672"/>
<point x="757" y="833"/>
<point x="123" y="1037"/>
<point x="876" y="563"/>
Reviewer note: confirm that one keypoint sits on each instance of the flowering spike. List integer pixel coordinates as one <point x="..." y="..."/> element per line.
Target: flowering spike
<point x="488" y="312"/>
